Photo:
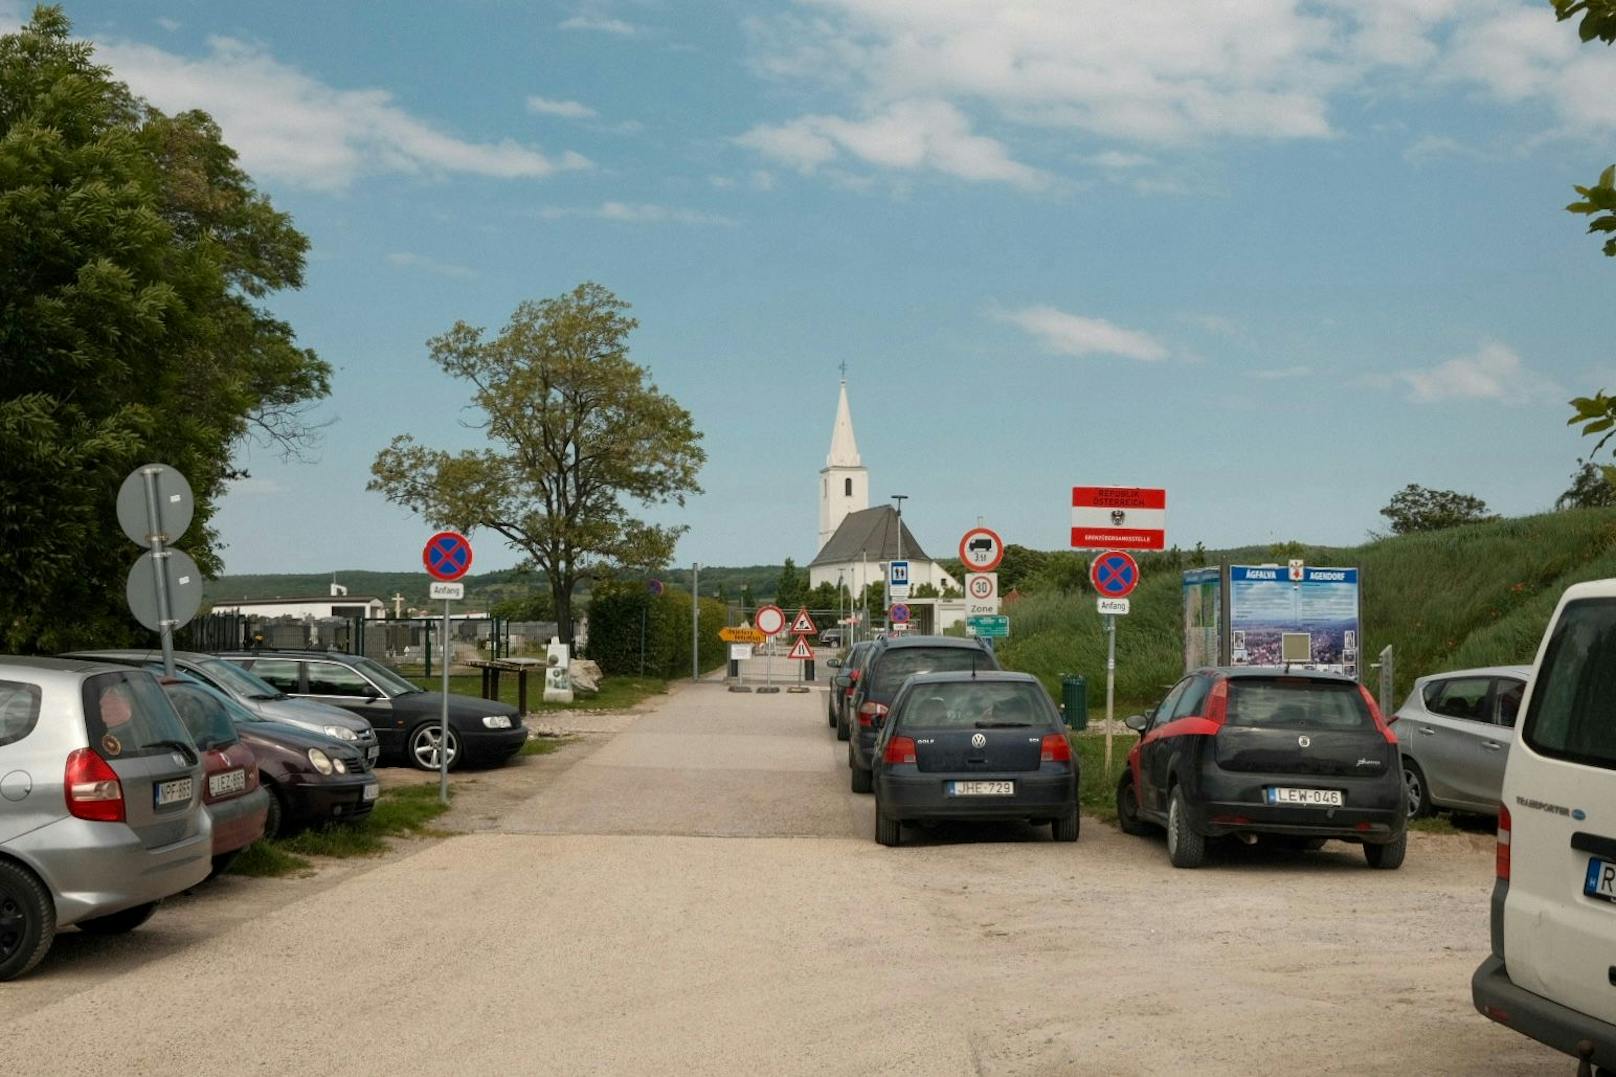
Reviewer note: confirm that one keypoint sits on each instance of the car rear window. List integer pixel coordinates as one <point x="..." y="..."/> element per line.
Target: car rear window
<point x="203" y="715"/>
<point x="19" y="710"/>
<point x="1297" y="703"/>
<point x="127" y="715"/>
<point x="971" y="705"/>
<point x="1572" y="715"/>
<point x="901" y="663"/>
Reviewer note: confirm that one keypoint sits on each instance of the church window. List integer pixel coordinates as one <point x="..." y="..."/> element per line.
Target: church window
<point x="847" y="487"/>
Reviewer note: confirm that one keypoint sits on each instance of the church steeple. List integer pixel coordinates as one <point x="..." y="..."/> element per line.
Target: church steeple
<point x="844" y="485"/>
<point x="843" y="446"/>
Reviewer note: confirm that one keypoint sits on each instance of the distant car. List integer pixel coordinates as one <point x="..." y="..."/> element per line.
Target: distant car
<point x="100" y="804"/>
<point x="1298" y="756"/>
<point x="982" y="745"/>
<point x="890" y="663"/>
<point x="405" y="717"/>
<point x="1455" y="733"/>
<point x="257" y="695"/>
<point x="845" y="677"/>
<point x="236" y="804"/>
<point x="831" y="637"/>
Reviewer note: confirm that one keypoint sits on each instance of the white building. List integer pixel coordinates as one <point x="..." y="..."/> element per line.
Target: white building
<point x="337" y="604"/>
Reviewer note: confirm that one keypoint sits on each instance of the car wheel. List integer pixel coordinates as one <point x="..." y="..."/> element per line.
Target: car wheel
<point x="830" y="712"/>
<point x="119" y="922"/>
<point x="1185" y="847"/>
<point x="275" y="817"/>
<point x="1128" y="808"/>
<point x="1419" y="796"/>
<point x="1067" y="827"/>
<point x="843" y="730"/>
<point x="423" y="753"/>
<point x="863" y="780"/>
<point x="888" y="832"/>
<point x="27" y="920"/>
<point x="222" y="862"/>
<point x="1388" y="857"/>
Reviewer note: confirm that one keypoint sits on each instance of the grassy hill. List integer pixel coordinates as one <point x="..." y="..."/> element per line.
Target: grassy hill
<point x="1470" y="596"/>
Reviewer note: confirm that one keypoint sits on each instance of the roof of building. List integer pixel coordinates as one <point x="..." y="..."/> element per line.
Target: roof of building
<point x="872" y="535"/>
<point x="843" y="447"/>
<point x="335" y="600"/>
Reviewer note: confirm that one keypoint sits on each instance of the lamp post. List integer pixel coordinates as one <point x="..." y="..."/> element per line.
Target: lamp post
<point x="900" y="499"/>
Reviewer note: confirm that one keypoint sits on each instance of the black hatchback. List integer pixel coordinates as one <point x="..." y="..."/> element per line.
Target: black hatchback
<point x="985" y="745"/>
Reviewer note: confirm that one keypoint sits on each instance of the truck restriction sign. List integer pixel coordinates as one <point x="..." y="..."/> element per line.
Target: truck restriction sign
<point x="981" y="550"/>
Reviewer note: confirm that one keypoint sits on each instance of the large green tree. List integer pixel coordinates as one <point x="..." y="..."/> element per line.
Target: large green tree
<point x="575" y="428"/>
<point x="134" y="254"/>
<point x="1418" y="508"/>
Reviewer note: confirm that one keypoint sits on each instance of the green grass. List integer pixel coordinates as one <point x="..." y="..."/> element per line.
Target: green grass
<point x="267" y="860"/>
<point x="404" y="812"/>
<point x="543" y="745"/>
<point x="616" y="693"/>
<point x="1096" y="793"/>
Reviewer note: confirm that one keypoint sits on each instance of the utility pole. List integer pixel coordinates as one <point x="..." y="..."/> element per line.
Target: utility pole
<point x="900" y="499"/>
<point x="695" y="621"/>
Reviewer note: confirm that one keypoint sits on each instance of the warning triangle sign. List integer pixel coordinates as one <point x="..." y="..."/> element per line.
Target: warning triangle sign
<point x="801" y="649"/>
<point x="804" y="624"/>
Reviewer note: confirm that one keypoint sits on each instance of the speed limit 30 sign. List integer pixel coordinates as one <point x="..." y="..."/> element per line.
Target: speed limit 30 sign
<point x="981" y="593"/>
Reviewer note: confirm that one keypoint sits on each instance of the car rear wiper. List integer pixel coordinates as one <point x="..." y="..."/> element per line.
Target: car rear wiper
<point x="187" y="750"/>
<point x="1003" y="725"/>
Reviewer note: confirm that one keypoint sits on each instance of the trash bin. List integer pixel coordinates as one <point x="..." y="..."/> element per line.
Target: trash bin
<point x="1075" y="701"/>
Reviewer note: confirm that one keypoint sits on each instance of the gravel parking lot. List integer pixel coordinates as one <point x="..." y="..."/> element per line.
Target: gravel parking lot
<point x="698" y="891"/>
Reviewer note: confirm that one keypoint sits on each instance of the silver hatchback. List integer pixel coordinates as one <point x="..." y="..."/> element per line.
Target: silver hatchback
<point x="1455" y="733"/>
<point x="100" y="803"/>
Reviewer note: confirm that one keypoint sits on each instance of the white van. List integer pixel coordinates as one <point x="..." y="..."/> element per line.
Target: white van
<point x="1552" y="973"/>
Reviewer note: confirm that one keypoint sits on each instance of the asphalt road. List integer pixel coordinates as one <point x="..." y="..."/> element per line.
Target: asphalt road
<point x="701" y="893"/>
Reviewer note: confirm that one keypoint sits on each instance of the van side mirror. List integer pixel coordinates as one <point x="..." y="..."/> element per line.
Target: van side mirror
<point x="1136" y="722"/>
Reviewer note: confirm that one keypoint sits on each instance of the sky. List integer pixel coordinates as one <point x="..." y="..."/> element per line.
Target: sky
<point x="1281" y="257"/>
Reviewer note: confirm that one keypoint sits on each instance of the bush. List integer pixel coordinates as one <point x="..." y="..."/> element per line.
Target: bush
<point x="615" y="618"/>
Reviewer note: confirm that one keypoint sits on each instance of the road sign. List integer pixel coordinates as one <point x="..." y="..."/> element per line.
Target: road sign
<point x="994" y="626"/>
<point x="447" y="555"/>
<point x="1114" y="574"/>
<point x="770" y="620"/>
<point x="740" y="652"/>
<point x="184" y="589"/>
<point x="803" y="625"/>
<point x="437" y="589"/>
<point x="898" y="573"/>
<point x="981" y="550"/>
<point x="898" y="614"/>
<point x="654" y="586"/>
<point x="1119" y="517"/>
<point x="744" y="635"/>
<point x="801" y="650"/>
<point x="1298" y="570"/>
<point x="981" y="593"/>
<point x="1117" y="607"/>
<point x="175" y="504"/>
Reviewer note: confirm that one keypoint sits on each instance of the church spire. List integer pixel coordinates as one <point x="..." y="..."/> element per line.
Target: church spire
<point x="843" y="447"/>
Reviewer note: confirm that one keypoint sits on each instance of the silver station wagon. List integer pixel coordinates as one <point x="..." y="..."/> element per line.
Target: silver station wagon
<point x="100" y="803"/>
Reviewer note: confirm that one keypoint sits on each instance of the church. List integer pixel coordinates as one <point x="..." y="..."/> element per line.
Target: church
<point x="856" y="541"/>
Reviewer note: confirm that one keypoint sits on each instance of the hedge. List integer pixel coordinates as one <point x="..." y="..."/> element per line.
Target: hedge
<point x="615" y="612"/>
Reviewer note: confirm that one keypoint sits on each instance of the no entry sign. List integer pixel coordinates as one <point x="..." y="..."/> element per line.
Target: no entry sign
<point x="447" y="555"/>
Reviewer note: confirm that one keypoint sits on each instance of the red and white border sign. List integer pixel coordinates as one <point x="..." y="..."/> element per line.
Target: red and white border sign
<point x="770" y="620"/>
<point x="1119" y="518"/>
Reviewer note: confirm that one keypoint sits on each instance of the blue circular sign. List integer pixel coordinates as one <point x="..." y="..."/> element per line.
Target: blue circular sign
<point x="899" y="614"/>
<point x="654" y="586"/>
<point x="1114" y="574"/>
<point x="447" y="555"/>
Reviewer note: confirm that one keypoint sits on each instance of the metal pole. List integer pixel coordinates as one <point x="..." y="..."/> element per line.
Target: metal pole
<point x="642" y="634"/>
<point x="443" y="727"/>
<point x="695" y="621"/>
<point x="1110" y="684"/>
<point x="159" y="551"/>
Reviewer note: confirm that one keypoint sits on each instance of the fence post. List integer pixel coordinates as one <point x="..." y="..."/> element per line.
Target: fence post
<point x="426" y="638"/>
<point x="1387" y="682"/>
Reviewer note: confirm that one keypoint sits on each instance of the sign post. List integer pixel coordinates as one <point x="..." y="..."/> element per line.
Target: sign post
<point x="771" y="621"/>
<point x="155" y="506"/>
<point x="447" y="558"/>
<point x="1114" y="574"/>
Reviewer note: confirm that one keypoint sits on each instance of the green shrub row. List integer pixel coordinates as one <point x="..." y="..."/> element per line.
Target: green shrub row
<point x="617" y="612"/>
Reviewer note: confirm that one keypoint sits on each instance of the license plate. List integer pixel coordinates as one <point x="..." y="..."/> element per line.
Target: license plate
<point x="372" y="791"/>
<point x="370" y="755"/>
<point x="232" y="781"/>
<point x="981" y="789"/>
<point x="1601" y="880"/>
<point x="1307" y="798"/>
<point x="177" y="791"/>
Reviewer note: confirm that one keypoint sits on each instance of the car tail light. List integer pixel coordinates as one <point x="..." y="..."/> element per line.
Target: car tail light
<point x="1503" y="843"/>
<point x="853" y="676"/>
<point x="93" y="789"/>
<point x="1055" y="749"/>
<point x="1374" y="712"/>
<point x="900" y="750"/>
<point x="1217" y="702"/>
<point x="870" y="713"/>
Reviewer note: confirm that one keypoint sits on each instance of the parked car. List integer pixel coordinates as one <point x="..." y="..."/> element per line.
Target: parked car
<point x="235" y="802"/>
<point x="257" y="695"/>
<point x="406" y="718"/>
<point x="890" y="663"/>
<point x="1552" y="971"/>
<point x="831" y="637"/>
<point x="100" y="804"/>
<point x="309" y="778"/>
<point x="844" y="678"/>
<point x="974" y="746"/>
<point x="1296" y="756"/>
<point x="1455" y="733"/>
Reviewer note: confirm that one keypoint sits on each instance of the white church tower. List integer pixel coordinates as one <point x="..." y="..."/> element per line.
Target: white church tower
<point x="844" y="485"/>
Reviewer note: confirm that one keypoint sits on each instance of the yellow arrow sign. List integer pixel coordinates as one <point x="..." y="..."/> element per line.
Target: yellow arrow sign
<point x="741" y="635"/>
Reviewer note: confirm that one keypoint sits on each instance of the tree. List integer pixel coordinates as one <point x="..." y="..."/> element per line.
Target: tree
<point x="792" y="591"/>
<point x="1591" y="488"/>
<point x="823" y="597"/>
<point x="1416" y="508"/>
<point x="747" y="601"/>
<point x="133" y="256"/>
<point x="537" y="606"/>
<point x="575" y="429"/>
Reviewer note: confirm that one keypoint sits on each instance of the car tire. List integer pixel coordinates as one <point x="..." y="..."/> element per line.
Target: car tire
<point x="1067" y="827"/>
<point x="275" y="816"/>
<point x="830" y="712"/>
<point x="422" y="749"/>
<point x="119" y="923"/>
<point x="222" y="862"/>
<point x="1415" y="789"/>
<point x="863" y="781"/>
<point x="1185" y="847"/>
<point x="888" y="832"/>
<point x="1128" y="808"/>
<point x="844" y="731"/>
<point x="1388" y="857"/>
<point x="27" y="920"/>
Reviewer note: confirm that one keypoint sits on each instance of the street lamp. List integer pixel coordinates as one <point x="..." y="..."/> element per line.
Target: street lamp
<point x="900" y="499"/>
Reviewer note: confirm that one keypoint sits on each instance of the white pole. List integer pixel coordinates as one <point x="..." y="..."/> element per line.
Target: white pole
<point x="695" y="620"/>
<point x="159" y="552"/>
<point x="1110" y="684"/>
<point x="443" y="727"/>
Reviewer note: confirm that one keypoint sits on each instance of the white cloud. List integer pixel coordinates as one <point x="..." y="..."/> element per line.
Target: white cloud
<point x="1282" y="373"/>
<point x="1116" y="159"/>
<point x="408" y="260"/>
<point x="290" y="126"/>
<point x="1517" y="55"/>
<point x="1494" y="372"/>
<point x="1073" y="334"/>
<point x="168" y="24"/>
<point x="567" y="110"/>
<point x="600" y="24"/>
<point x="636" y="213"/>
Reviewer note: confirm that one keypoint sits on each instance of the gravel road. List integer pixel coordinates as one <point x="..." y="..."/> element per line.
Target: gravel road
<point x="699" y="892"/>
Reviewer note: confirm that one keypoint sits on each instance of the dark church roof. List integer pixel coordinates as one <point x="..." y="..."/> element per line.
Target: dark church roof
<point x="871" y="534"/>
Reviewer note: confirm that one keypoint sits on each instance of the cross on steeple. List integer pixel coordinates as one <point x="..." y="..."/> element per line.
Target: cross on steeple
<point x="844" y="369"/>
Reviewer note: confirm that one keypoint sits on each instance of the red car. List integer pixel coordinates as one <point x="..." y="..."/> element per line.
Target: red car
<point x="235" y="802"/>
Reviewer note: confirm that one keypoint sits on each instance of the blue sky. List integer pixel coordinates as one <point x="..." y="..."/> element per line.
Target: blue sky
<point x="1279" y="256"/>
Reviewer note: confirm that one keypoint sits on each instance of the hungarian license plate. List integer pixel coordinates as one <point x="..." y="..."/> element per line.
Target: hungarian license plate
<point x="373" y="790"/>
<point x="1307" y="798"/>
<point x="981" y="789"/>
<point x="370" y="755"/>
<point x="231" y="781"/>
<point x="1601" y="879"/>
<point x="177" y="791"/>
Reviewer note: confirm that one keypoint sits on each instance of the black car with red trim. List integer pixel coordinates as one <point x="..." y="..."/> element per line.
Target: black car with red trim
<point x="1296" y="756"/>
<point x="842" y="683"/>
